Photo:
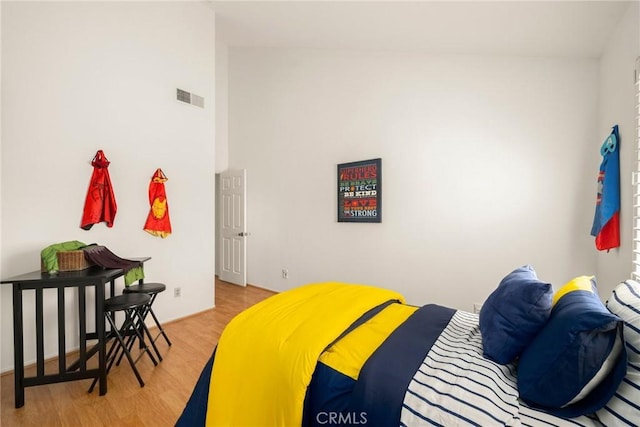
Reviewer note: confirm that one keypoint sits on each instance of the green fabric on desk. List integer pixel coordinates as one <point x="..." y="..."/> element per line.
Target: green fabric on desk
<point x="133" y="275"/>
<point x="49" y="255"/>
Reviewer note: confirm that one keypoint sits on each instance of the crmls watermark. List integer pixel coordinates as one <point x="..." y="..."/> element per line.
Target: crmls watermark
<point x="340" y="418"/>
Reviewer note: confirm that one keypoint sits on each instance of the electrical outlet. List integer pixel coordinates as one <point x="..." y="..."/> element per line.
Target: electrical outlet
<point x="177" y="292"/>
<point x="285" y="273"/>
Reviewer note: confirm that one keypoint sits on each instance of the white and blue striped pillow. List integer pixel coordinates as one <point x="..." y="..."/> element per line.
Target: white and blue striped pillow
<point x="624" y="407"/>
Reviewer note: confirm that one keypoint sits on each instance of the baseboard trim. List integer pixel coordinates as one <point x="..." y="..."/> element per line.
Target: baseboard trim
<point x="74" y="352"/>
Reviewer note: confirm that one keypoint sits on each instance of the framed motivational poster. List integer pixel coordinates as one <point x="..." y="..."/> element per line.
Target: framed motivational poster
<point x="360" y="191"/>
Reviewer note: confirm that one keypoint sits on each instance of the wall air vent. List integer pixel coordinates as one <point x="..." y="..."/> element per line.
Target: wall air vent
<point x="196" y="100"/>
<point x="189" y="98"/>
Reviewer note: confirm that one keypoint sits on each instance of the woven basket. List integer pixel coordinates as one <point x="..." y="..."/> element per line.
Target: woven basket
<point x="70" y="261"/>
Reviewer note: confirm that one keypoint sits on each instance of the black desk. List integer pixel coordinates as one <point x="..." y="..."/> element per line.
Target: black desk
<point x="92" y="277"/>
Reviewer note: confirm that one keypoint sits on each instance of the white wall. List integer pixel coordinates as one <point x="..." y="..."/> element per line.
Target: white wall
<point x="486" y="166"/>
<point x="617" y="106"/>
<point x="222" y="126"/>
<point x="78" y="77"/>
<point x="222" y="110"/>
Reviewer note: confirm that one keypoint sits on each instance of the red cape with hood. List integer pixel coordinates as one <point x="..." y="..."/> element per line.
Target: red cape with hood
<point x="158" y="223"/>
<point x="100" y="204"/>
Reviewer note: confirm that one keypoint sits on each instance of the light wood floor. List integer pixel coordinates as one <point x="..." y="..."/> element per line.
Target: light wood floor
<point x="168" y="385"/>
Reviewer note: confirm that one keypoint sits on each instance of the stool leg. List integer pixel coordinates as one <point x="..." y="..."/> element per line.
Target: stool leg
<point x="120" y="344"/>
<point x="144" y="328"/>
<point x="155" y="319"/>
<point x="145" y="311"/>
<point x="129" y="344"/>
<point x="131" y="338"/>
<point x="128" y="323"/>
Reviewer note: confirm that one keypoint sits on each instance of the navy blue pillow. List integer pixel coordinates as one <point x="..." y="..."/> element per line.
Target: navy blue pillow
<point x="513" y="314"/>
<point x="575" y="364"/>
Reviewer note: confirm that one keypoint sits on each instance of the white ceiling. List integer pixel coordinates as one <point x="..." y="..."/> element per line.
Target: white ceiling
<point x="530" y="28"/>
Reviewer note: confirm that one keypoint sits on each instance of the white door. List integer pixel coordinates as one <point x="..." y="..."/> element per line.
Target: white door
<point x="233" y="247"/>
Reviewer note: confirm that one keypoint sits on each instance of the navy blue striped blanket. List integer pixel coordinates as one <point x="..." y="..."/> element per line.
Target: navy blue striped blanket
<point x="428" y="371"/>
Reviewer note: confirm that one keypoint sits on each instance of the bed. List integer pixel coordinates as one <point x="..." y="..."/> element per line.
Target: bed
<point x="343" y="354"/>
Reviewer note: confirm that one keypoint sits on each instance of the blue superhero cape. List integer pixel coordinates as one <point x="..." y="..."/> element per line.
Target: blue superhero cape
<point x="606" y="222"/>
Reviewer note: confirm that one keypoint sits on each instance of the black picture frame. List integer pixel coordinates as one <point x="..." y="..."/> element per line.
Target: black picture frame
<point x="359" y="188"/>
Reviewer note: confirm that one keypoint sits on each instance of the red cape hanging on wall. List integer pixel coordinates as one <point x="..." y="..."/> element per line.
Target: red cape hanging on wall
<point x="158" y="223"/>
<point x="100" y="203"/>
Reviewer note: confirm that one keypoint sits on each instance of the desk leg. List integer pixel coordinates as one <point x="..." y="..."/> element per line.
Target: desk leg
<point x="39" y="332"/>
<point x="102" y="345"/>
<point x="18" y="346"/>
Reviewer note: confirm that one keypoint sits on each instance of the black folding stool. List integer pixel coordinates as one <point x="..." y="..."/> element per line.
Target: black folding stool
<point x="133" y="306"/>
<point x="152" y="290"/>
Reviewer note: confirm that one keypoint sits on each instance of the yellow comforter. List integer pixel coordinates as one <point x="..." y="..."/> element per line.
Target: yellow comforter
<point x="267" y="354"/>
